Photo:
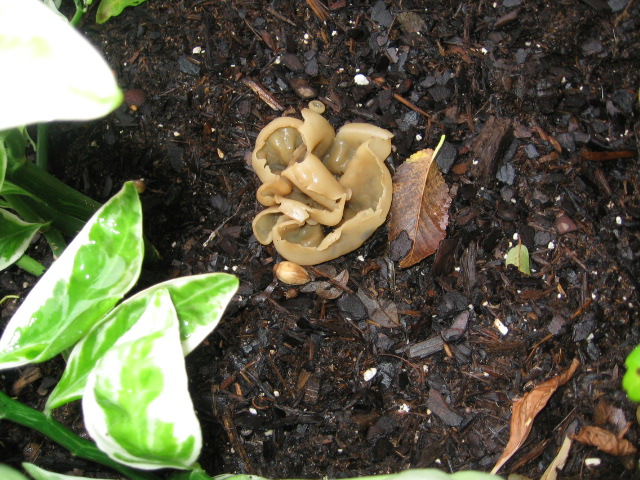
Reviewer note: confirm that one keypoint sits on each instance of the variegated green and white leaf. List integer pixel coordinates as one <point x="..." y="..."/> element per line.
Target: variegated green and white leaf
<point x="95" y="271"/>
<point x="199" y="300"/>
<point x="136" y="402"/>
<point x="52" y="64"/>
<point x="15" y="235"/>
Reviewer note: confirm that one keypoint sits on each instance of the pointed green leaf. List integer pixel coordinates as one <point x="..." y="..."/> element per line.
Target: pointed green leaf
<point x="16" y="236"/>
<point x="136" y="403"/>
<point x="40" y="474"/>
<point x="95" y="271"/>
<point x="113" y="8"/>
<point x="199" y="300"/>
<point x="53" y="65"/>
<point x="519" y="256"/>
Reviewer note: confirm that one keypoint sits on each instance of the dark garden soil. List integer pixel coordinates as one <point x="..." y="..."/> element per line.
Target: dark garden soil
<point x="538" y="102"/>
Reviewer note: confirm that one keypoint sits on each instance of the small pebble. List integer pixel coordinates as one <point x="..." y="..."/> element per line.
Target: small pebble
<point x="303" y="88"/>
<point x="135" y="97"/>
<point x="360" y="79"/>
<point x="369" y="373"/>
<point x="565" y="225"/>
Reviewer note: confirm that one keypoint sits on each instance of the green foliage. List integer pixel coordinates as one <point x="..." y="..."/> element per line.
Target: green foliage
<point x="8" y="473"/>
<point x="51" y="64"/>
<point x="16" y="236"/>
<point x="64" y="77"/>
<point x="113" y="8"/>
<point x="519" y="257"/>
<point x="128" y="362"/>
<point x="417" y="474"/>
<point x="199" y="302"/>
<point x="631" y="379"/>
<point x="90" y="277"/>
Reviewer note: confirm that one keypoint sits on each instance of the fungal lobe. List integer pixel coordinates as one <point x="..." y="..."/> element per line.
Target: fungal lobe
<point x="325" y="192"/>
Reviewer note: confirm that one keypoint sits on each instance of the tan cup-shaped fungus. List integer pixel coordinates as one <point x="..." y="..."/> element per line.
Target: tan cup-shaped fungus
<point x="326" y="193"/>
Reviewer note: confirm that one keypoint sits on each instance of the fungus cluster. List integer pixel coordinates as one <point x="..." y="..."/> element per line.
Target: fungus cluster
<point x="325" y="192"/>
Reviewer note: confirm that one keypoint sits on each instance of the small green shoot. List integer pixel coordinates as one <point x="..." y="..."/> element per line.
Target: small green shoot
<point x="519" y="257"/>
<point x="631" y="379"/>
<point x="113" y="8"/>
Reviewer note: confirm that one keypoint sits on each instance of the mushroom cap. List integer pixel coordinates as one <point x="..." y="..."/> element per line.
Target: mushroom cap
<point x="326" y="194"/>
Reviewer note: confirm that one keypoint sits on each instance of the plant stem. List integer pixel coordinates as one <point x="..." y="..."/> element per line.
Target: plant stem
<point x="15" y="411"/>
<point x="30" y="265"/>
<point x="79" y="13"/>
<point x="42" y="148"/>
<point x="52" y="191"/>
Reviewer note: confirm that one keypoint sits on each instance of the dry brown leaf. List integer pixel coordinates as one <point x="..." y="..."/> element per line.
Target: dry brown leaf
<point x="605" y="413"/>
<point x="525" y="411"/>
<point x="551" y="473"/>
<point x="381" y="311"/>
<point x="605" y="440"/>
<point x="420" y="206"/>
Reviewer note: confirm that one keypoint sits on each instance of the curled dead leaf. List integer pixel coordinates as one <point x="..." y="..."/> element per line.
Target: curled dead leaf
<point x="525" y="410"/>
<point x="605" y="441"/>
<point x="420" y="207"/>
<point x="381" y="311"/>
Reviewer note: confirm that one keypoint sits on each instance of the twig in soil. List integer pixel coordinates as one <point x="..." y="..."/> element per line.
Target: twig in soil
<point x="219" y="227"/>
<point x="236" y="443"/>
<point x="320" y="9"/>
<point x="275" y="368"/>
<point x="535" y="347"/>
<point x="580" y="309"/>
<point x="603" y="156"/>
<point x="280" y="17"/>
<point x="264" y="95"/>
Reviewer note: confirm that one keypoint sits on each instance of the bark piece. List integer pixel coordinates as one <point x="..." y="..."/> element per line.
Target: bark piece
<point x="441" y="409"/>
<point x="488" y="148"/>
<point x="425" y="348"/>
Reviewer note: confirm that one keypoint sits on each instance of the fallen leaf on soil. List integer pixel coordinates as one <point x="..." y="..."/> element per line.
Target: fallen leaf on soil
<point x="519" y="256"/>
<point x="525" y="410"/>
<point x="381" y="311"/>
<point x="605" y="413"/>
<point x="420" y="206"/>
<point x="551" y="473"/>
<point x="605" y="440"/>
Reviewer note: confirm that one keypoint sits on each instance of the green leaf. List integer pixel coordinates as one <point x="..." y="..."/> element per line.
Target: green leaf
<point x="199" y="300"/>
<point x="136" y="403"/>
<point x="16" y="236"/>
<point x="40" y="474"/>
<point x="113" y="8"/>
<point x="411" y="474"/>
<point x="631" y="379"/>
<point x="3" y="162"/>
<point x="47" y="61"/>
<point x="8" y="473"/>
<point x="95" y="271"/>
<point x="519" y="256"/>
